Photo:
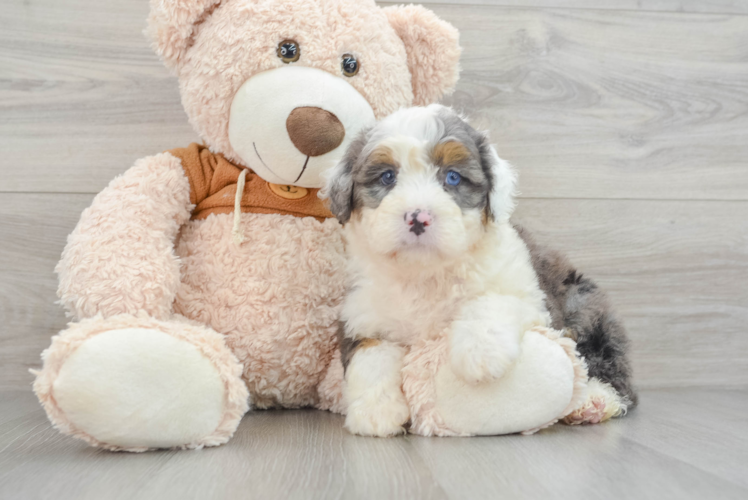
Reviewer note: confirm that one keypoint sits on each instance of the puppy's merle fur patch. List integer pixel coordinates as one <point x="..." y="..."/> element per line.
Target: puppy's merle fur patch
<point x="340" y="191"/>
<point x="474" y="166"/>
<point x="580" y="307"/>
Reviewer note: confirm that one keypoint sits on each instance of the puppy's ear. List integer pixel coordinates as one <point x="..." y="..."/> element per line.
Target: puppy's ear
<point x="433" y="48"/>
<point x="502" y="180"/>
<point x="339" y="190"/>
<point x="172" y="25"/>
<point x="339" y="180"/>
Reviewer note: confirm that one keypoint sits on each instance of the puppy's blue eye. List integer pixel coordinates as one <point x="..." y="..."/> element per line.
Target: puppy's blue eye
<point x="388" y="178"/>
<point x="453" y="178"/>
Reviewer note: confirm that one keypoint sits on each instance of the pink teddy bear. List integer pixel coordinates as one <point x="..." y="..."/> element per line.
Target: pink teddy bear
<point x="209" y="277"/>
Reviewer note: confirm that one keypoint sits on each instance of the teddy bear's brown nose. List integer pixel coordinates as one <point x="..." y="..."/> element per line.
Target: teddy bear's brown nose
<point x="314" y="131"/>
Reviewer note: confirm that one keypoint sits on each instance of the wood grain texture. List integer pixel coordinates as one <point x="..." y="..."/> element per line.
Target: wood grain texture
<point x="34" y="229"/>
<point x="82" y="99"/>
<point x="591" y="103"/>
<point x="678" y="444"/>
<point x="596" y="104"/>
<point x="700" y="6"/>
<point x="680" y="427"/>
<point x="675" y="271"/>
<point x="613" y="459"/>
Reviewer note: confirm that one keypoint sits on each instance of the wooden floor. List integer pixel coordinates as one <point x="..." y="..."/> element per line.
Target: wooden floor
<point x="681" y="443"/>
<point x="628" y="122"/>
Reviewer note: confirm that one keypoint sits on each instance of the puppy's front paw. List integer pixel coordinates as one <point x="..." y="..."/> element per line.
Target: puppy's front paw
<point x="380" y="417"/>
<point x="481" y="352"/>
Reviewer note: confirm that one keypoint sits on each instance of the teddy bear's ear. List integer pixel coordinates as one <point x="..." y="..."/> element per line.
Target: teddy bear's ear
<point x="172" y="25"/>
<point x="433" y="48"/>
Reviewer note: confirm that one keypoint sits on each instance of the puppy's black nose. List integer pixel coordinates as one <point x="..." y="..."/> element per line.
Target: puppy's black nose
<point x="418" y="220"/>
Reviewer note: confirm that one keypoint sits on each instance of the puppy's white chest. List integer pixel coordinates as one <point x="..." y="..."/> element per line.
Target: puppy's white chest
<point x="404" y="313"/>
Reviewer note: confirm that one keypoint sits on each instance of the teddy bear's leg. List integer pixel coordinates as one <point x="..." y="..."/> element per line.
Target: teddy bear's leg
<point x="131" y="382"/>
<point x="330" y="390"/>
<point x="546" y="383"/>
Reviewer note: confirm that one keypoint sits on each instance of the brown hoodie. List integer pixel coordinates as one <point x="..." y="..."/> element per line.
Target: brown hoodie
<point x="213" y="181"/>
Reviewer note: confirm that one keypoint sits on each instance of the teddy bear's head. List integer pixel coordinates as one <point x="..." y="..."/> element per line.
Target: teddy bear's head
<point x="283" y="86"/>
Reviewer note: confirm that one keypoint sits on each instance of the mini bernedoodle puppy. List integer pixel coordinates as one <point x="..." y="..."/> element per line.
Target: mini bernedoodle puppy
<point x="426" y="201"/>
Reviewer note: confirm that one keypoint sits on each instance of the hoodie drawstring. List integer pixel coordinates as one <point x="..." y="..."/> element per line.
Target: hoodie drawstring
<point x="237" y="230"/>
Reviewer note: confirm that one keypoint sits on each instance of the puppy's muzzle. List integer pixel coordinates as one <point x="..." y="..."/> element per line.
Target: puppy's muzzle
<point x="418" y="220"/>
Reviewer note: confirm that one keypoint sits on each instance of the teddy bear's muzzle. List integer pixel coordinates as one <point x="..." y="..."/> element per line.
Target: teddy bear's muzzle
<point x="314" y="131"/>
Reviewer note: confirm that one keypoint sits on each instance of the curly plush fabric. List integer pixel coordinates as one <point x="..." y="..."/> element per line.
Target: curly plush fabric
<point x="275" y="297"/>
<point x="143" y="258"/>
<point x="120" y="257"/>
<point x="407" y="56"/>
<point x="331" y="387"/>
<point x="433" y="61"/>
<point x="172" y="25"/>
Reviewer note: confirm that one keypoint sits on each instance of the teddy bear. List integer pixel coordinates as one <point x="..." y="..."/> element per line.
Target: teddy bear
<point x="209" y="277"/>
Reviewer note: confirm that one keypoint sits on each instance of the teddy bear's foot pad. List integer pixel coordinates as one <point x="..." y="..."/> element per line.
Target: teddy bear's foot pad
<point x="140" y="388"/>
<point x="533" y="393"/>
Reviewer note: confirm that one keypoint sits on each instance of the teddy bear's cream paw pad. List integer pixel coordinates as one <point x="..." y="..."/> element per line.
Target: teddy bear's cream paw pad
<point x="534" y="391"/>
<point x="379" y="418"/>
<point x="140" y="388"/>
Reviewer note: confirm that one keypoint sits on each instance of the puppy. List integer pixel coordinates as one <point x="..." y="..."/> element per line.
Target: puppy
<point x="426" y="201"/>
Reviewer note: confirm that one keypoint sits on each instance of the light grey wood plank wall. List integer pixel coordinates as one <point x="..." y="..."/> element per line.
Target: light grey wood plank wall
<point x="627" y="120"/>
<point x="702" y="6"/>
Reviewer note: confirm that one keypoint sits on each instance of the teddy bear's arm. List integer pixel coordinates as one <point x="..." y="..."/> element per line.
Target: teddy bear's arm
<point x="120" y="257"/>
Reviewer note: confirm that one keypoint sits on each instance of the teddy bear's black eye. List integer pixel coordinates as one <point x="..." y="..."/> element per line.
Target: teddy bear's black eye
<point x="350" y="65"/>
<point x="288" y="51"/>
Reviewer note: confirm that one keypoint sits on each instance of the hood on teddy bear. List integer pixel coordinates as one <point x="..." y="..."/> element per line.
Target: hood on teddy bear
<point x="283" y="86"/>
